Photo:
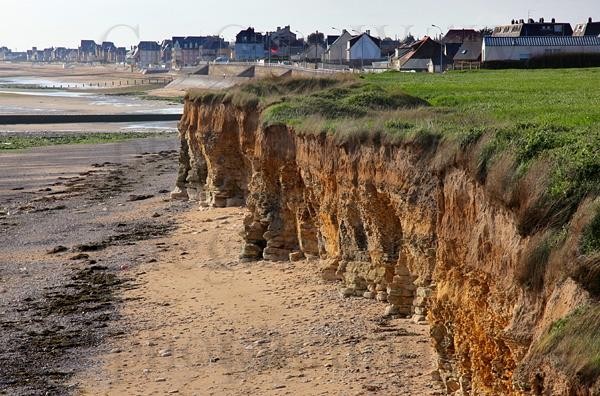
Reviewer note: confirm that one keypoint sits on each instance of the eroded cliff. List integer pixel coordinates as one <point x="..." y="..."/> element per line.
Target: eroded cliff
<point x="410" y="225"/>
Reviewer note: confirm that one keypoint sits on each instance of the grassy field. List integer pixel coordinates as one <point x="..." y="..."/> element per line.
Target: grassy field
<point x="561" y="96"/>
<point x="531" y="115"/>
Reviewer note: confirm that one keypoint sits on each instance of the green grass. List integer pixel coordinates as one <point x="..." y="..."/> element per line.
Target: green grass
<point x="590" y="242"/>
<point x="535" y="116"/>
<point x="8" y="143"/>
<point x="559" y="97"/>
<point x="573" y="341"/>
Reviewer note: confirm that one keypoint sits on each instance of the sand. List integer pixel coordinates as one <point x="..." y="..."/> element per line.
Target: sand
<point x="202" y="323"/>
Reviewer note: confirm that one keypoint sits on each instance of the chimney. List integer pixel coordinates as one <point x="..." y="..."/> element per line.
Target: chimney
<point x="512" y="22"/>
<point x="553" y="20"/>
<point x="530" y="20"/>
<point x="541" y="20"/>
<point x="368" y="32"/>
<point x="590" y="20"/>
<point x="522" y="21"/>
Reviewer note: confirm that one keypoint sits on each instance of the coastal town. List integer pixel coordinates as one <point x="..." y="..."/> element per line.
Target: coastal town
<point x="266" y="198"/>
<point x="516" y="42"/>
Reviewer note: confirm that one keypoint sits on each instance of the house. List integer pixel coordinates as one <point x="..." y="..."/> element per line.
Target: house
<point x="186" y="51"/>
<point x="88" y="51"/>
<point x="14" y="56"/>
<point x="121" y="55"/>
<point x="424" y="49"/>
<point x="166" y="52"/>
<point x="313" y="53"/>
<point x="47" y="55"/>
<point x="283" y="43"/>
<point x="212" y="48"/>
<point x="587" y="29"/>
<point x="337" y="47"/>
<point x="524" y="48"/>
<point x="455" y="38"/>
<point x="520" y="28"/>
<point x="71" y="55"/>
<point x="108" y="52"/>
<point x="4" y="53"/>
<point x="192" y="50"/>
<point x="418" y="65"/>
<point x="146" y="54"/>
<point x="468" y="55"/>
<point x="249" y="45"/>
<point x="59" y="54"/>
<point x="364" y="48"/>
<point x="33" y="55"/>
<point x="388" y="46"/>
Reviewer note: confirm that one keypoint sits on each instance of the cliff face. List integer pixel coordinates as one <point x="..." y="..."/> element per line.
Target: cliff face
<point x="399" y="224"/>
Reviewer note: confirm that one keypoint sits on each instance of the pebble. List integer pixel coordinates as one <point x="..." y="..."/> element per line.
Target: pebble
<point x="161" y="380"/>
<point x="279" y="386"/>
<point x="165" y="353"/>
<point x="261" y="353"/>
<point x="116" y="350"/>
<point x="391" y="310"/>
<point x="58" y="249"/>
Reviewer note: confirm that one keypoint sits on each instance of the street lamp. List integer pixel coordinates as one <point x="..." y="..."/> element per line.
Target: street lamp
<point x="303" y="45"/>
<point x="341" y="48"/>
<point x="441" y="49"/>
<point x="362" y="50"/>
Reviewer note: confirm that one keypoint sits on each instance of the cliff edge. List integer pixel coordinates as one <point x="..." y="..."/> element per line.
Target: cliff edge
<point x="410" y="219"/>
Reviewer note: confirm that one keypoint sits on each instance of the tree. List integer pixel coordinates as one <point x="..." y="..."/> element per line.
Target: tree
<point x="316" y="38"/>
<point x="486" y="31"/>
<point x="408" y="40"/>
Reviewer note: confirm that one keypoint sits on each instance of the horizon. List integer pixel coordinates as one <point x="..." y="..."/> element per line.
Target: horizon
<point x="64" y="24"/>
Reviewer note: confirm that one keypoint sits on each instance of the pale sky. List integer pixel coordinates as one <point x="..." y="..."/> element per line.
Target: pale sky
<point x="46" y="23"/>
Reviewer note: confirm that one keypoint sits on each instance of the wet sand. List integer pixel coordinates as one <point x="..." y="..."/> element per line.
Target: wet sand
<point x="110" y="288"/>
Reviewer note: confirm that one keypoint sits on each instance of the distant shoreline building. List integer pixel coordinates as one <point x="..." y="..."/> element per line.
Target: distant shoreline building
<point x="520" y="49"/>
<point x="249" y="45"/>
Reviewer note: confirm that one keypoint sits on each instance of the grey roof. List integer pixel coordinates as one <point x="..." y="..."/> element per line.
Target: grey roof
<point x="331" y="39"/>
<point x="547" y="41"/>
<point x="355" y="39"/>
<point x="149" y="46"/>
<point x="416" y="64"/>
<point x="469" y="51"/>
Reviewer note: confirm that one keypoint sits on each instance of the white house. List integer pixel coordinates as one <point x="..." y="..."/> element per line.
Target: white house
<point x="523" y="48"/>
<point x="336" y="52"/>
<point x="364" y="47"/>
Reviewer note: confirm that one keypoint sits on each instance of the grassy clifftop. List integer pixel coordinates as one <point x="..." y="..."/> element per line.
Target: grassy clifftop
<point x="532" y="137"/>
<point x="523" y="121"/>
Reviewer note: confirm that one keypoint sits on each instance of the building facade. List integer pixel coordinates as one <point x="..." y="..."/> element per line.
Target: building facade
<point x="249" y="45"/>
<point x="542" y="28"/>
<point x="590" y="28"/>
<point x="147" y="54"/>
<point x="337" y="48"/>
<point x="516" y="49"/>
<point x="364" y="47"/>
